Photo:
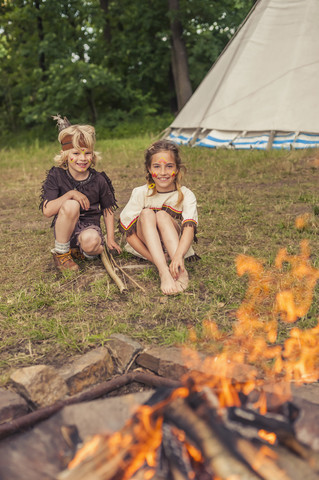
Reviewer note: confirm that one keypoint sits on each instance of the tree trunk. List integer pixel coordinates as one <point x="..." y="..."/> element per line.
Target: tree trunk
<point x="41" y="36"/>
<point x="91" y="104"/>
<point x="179" y="60"/>
<point x="104" y="4"/>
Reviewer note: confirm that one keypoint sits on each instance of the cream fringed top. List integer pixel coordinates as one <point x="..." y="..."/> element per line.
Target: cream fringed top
<point x="185" y="212"/>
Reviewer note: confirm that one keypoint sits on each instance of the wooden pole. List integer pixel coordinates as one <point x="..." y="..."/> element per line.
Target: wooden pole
<point x="29" y="420"/>
<point x="108" y="267"/>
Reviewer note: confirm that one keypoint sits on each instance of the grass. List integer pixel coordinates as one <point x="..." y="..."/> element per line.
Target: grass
<point x="248" y="203"/>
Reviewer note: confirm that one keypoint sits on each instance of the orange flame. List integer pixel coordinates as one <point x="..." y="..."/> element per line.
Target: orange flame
<point x="302" y="221"/>
<point x="250" y="355"/>
<point x="86" y="451"/>
<point x="270" y="437"/>
<point x="281" y="293"/>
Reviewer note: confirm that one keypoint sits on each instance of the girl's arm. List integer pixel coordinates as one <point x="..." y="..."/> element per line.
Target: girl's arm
<point x="177" y="263"/>
<point x="109" y="225"/>
<point x="53" y="206"/>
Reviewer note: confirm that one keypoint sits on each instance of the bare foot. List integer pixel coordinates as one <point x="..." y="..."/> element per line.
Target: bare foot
<point x="182" y="281"/>
<point x="168" y="284"/>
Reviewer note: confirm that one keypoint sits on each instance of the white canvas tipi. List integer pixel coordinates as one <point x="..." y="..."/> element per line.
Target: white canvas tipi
<point x="263" y="91"/>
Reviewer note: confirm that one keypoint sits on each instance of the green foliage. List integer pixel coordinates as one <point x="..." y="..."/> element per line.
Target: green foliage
<point x="101" y="67"/>
<point x="208" y="27"/>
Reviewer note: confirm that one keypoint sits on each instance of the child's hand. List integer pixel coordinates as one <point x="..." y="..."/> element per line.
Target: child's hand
<point x="176" y="267"/>
<point x="82" y="199"/>
<point x="112" y="245"/>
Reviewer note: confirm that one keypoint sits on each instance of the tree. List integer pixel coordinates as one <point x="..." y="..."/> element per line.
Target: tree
<point x="153" y="41"/>
<point x="182" y="82"/>
<point x="105" y="61"/>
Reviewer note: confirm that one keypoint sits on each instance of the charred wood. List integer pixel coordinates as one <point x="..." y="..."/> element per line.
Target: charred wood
<point x="269" y="422"/>
<point x="217" y="456"/>
<point x="281" y="426"/>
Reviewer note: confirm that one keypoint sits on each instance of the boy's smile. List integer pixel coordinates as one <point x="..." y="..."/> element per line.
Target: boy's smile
<point x="163" y="170"/>
<point x="79" y="160"/>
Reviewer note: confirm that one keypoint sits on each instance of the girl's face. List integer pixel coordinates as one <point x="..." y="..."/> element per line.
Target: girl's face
<point x="79" y="160"/>
<point x="163" y="170"/>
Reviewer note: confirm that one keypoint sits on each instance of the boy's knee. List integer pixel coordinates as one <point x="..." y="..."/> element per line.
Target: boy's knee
<point x="90" y="241"/>
<point x="70" y="208"/>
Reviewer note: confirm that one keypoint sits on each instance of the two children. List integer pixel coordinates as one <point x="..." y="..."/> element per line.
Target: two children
<point x="159" y="220"/>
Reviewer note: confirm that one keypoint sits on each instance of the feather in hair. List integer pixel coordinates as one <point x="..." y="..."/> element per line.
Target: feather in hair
<point x="62" y="123"/>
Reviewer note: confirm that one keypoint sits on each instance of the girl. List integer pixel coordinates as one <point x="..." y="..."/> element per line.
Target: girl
<point x="77" y="195"/>
<point x="161" y="217"/>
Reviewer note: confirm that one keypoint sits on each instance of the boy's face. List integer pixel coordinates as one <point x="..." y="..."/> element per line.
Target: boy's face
<point x="79" y="160"/>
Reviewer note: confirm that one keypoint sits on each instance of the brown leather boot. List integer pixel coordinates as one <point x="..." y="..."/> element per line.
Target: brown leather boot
<point x="64" y="262"/>
<point x="75" y="252"/>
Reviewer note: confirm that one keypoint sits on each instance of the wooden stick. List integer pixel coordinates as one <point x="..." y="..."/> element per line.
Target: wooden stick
<point x="108" y="267"/>
<point x="136" y="267"/>
<point x="265" y="466"/>
<point x="127" y="275"/>
<point x="111" y="259"/>
<point x="218" y="457"/>
<point x="29" y="420"/>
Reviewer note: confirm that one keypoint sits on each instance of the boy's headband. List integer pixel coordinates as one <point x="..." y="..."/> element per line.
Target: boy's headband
<point x="67" y="143"/>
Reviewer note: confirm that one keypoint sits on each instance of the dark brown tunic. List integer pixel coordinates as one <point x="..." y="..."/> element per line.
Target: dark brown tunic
<point x="97" y="187"/>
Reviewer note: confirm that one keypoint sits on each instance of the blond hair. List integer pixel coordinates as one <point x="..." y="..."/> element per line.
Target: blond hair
<point x="81" y="135"/>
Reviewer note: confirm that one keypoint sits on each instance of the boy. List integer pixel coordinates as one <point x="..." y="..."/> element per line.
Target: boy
<point x="77" y="195"/>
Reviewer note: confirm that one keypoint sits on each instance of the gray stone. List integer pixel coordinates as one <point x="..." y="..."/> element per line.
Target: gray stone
<point x="44" y="451"/>
<point x="40" y="384"/>
<point x="12" y="405"/>
<point x="174" y="362"/>
<point x="89" y="369"/>
<point x="308" y="391"/>
<point x="123" y="350"/>
<point x="104" y="415"/>
<point x="306" y="426"/>
<point x="165" y="361"/>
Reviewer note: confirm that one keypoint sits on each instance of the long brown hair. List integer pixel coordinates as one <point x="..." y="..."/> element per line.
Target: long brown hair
<point x="165" y="146"/>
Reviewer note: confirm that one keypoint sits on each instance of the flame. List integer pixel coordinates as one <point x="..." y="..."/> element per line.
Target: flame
<point x="262" y="457"/>
<point x="251" y="355"/>
<point x="86" y="451"/>
<point x="270" y="437"/>
<point x="282" y="293"/>
<point x="302" y="221"/>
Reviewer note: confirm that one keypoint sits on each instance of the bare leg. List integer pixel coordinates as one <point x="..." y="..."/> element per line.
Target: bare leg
<point x="148" y="233"/>
<point x="90" y="242"/>
<point x="67" y="218"/>
<point x="168" y="230"/>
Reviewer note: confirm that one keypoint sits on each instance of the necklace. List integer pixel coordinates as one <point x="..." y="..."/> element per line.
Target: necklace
<point x="78" y="183"/>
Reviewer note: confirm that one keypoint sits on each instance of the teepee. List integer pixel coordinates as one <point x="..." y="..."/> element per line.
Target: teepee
<point x="262" y="92"/>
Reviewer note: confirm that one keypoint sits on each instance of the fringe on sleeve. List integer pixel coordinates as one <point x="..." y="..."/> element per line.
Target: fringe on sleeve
<point x="191" y="223"/>
<point x="43" y="200"/>
<point x="111" y="194"/>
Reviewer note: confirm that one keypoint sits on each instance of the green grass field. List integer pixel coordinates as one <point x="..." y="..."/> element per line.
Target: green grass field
<point x="248" y="203"/>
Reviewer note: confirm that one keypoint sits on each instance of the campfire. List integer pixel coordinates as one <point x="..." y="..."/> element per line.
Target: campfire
<point x="232" y="418"/>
